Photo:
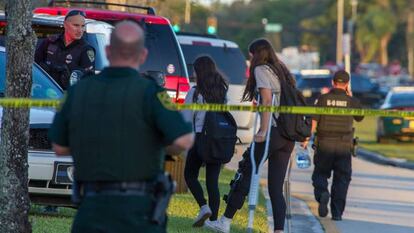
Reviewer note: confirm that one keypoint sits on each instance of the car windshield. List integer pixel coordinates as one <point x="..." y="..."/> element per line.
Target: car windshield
<point x="230" y="61"/>
<point x="42" y="88"/>
<point x="404" y="99"/>
<point x="163" y="51"/>
<point x="314" y="82"/>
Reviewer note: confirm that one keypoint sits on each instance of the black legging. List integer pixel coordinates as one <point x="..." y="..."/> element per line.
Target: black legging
<point x="280" y="150"/>
<point x="191" y="171"/>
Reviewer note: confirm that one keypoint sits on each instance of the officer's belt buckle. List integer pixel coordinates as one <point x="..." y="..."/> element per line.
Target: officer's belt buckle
<point x="128" y="192"/>
<point x="117" y="186"/>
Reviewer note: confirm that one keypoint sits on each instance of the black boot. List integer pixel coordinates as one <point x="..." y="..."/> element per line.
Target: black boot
<point x="323" y="204"/>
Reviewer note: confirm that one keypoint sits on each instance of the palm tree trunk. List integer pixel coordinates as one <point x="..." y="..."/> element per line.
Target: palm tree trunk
<point x="384" y="49"/>
<point x="410" y="42"/>
<point x="14" y="196"/>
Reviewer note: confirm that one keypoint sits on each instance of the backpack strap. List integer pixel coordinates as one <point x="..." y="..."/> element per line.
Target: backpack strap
<point x="195" y="100"/>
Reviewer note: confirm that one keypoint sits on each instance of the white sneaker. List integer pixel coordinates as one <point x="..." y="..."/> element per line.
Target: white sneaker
<point x="211" y="225"/>
<point x="203" y="215"/>
<point x="222" y="225"/>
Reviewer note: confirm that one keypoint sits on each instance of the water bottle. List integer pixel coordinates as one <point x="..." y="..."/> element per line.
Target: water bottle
<point x="303" y="159"/>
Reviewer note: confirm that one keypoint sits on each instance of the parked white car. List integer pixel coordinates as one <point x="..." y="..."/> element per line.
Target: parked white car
<point x="50" y="176"/>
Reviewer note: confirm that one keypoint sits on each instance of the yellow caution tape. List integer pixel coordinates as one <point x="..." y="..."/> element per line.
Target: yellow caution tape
<point x="166" y="101"/>
<point x="27" y="103"/>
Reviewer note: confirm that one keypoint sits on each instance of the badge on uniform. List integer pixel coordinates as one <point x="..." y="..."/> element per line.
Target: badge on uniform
<point x="68" y="58"/>
<point x="91" y="55"/>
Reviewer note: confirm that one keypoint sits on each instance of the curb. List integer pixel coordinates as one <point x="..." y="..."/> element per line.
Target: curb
<point x="379" y="159"/>
<point x="328" y="225"/>
<point x="265" y="192"/>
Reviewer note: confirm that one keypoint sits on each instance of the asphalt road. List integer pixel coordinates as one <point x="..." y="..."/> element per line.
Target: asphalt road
<point x="380" y="199"/>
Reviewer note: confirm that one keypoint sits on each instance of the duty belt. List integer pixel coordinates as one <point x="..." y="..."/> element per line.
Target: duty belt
<point x="117" y="188"/>
<point x="335" y="137"/>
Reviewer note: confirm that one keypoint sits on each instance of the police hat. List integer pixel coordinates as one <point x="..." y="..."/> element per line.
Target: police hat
<point x="341" y="77"/>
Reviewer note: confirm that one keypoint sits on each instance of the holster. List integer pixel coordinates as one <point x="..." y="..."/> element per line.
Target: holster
<point x="164" y="188"/>
<point x="64" y="74"/>
<point x="355" y="141"/>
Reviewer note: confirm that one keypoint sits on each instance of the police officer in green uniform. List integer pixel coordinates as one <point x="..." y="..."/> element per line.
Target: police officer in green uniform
<point x="334" y="142"/>
<point x="118" y="132"/>
<point x="59" y="55"/>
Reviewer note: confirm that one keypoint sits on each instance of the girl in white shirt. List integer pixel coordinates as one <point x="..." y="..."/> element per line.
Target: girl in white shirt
<point x="266" y="71"/>
<point x="210" y="87"/>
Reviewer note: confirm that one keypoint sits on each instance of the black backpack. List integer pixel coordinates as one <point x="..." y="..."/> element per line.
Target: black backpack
<point x="218" y="139"/>
<point x="295" y="127"/>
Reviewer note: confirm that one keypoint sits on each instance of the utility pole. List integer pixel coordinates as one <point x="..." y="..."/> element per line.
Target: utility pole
<point x="410" y="42"/>
<point x="187" y="16"/>
<point x="340" y="30"/>
<point x="348" y="37"/>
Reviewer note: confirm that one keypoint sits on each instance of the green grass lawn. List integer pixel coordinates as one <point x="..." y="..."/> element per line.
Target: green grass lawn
<point x="366" y="131"/>
<point x="181" y="212"/>
<point x="183" y="209"/>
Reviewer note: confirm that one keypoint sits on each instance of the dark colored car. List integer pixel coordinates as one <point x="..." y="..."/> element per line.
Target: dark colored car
<point x="367" y="92"/>
<point x="312" y="86"/>
<point x="164" y="51"/>
<point x="402" y="128"/>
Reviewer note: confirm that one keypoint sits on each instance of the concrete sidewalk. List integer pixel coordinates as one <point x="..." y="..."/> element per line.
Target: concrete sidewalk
<point x="380" y="199"/>
<point x="302" y="221"/>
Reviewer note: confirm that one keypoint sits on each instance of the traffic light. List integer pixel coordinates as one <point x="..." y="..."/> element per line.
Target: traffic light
<point x="176" y="27"/>
<point x="176" y="23"/>
<point x="212" y="25"/>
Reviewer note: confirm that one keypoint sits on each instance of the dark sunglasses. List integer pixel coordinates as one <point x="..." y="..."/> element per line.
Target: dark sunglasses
<point x="75" y="12"/>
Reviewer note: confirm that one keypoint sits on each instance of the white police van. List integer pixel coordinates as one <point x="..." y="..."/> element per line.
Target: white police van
<point x="232" y="63"/>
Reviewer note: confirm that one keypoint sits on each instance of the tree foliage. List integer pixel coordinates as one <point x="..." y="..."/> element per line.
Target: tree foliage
<point x="375" y="28"/>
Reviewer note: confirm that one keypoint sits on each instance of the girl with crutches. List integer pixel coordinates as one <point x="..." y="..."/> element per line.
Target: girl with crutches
<point x="265" y="71"/>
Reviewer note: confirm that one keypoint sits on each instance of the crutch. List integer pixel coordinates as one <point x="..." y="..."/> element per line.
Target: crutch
<point x="255" y="179"/>
<point x="287" y="197"/>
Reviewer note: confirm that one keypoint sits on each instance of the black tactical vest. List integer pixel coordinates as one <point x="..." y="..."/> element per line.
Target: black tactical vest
<point x="335" y="125"/>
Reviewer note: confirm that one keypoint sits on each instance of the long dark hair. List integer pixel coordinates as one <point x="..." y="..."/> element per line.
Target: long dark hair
<point x="264" y="54"/>
<point x="210" y="83"/>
